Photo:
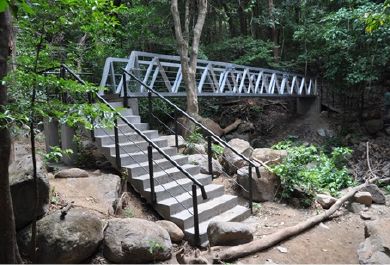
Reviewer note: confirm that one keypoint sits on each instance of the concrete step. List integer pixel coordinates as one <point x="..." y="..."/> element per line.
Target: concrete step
<point x="176" y="187"/>
<point x="170" y="206"/>
<point x="131" y="119"/>
<point x="162" y="177"/>
<point x="207" y="210"/>
<point x="133" y="147"/>
<point x="117" y="104"/>
<point x="122" y="128"/>
<point x="139" y="169"/>
<point x="125" y="137"/>
<point x="235" y="214"/>
<point x="142" y="156"/>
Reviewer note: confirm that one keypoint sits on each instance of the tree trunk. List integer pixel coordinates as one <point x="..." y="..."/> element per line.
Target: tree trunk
<point x="8" y="247"/>
<point x="242" y="18"/>
<point x="189" y="58"/>
<point x="274" y="32"/>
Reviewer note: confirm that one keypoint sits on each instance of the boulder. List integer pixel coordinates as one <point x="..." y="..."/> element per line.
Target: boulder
<point x="71" y="239"/>
<point x="269" y="155"/>
<point x="203" y="162"/>
<point x="326" y="201"/>
<point x="376" y="194"/>
<point x="136" y="240"/>
<point x="22" y="190"/>
<point x="232" y="162"/>
<point x="356" y="207"/>
<point x="72" y="173"/>
<point x="195" y="149"/>
<point x="99" y="191"/>
<point x="363" y="197"/>
<point x="172" y="140"/>
<point x="263" y="188"/>
<point x="173" y="230"/>
<point x="373" y="126"/>
<point x="375" y="248"/>
<point x="229" y="233"/>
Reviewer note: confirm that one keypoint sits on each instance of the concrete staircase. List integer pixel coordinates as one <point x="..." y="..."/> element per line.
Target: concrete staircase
<point x="172" y="188"/>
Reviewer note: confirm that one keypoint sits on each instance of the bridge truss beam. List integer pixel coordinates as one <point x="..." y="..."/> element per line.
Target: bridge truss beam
<point x="163" y="73"/>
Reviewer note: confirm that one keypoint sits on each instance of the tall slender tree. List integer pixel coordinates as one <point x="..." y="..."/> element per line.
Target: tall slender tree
<point x="8" y="247"/>
<point x="189" y="54"/>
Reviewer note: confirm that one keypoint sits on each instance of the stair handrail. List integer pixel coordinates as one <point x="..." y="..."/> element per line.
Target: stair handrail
<point x="219" y="139"/>
<point x="213" y="135"/>
<point x="140" y="133"/>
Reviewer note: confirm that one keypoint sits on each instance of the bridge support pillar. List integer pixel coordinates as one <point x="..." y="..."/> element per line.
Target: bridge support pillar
<point x="52" y="138"/>
<point x="67" y="140"/>
<point x="133" y="104"/>
<point x="308" y="105"/>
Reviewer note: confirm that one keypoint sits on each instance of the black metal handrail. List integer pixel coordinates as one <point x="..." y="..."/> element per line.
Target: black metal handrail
<point x="151" y="143"/>
<point x="211" y="135"/>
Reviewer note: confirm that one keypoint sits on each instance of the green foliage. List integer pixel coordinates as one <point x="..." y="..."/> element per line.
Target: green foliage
<point x="217" y="150"/>
<point x="155" y="247"/>
<point x="310" y="170"/>
<point x="195" y="137"/>
<point x="128" y="212"/>
<point x="48" y="104"/>
<point x="387" y="189"/>
<point x="55" y="154"/>
<point x="336" y="41"/>
<point x="241" y="50"/>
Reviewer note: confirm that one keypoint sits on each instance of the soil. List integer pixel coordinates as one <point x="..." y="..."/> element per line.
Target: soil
<point x="334" y="241"/>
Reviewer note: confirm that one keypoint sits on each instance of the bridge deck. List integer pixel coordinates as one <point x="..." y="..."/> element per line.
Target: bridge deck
<point x="163" y="73"/>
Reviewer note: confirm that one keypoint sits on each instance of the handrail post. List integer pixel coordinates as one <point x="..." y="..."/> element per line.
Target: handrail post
<point x="176" y="131"/>
<point x="210" y="155"/>
<point x="125" y="96"/>
<point x="90" y="101"/>
<point x="151" y="178"/>
<point x="196" y="215"/>
<point x="62" y="75"/>
<point x="150" y="108"/>
<point x="117" y="150"/>
<point x="250" y="188"/>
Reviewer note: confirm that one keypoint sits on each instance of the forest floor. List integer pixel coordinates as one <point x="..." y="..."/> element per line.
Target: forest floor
<point x="334" y="241"/>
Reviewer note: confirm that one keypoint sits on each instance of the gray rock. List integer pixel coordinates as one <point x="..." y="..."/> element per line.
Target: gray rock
<point x="356" y="207"/>
<point x="104" y="189"/>
<point x="375" y="248"/>
<point x="376" y="194"/>
<point x="195" y="149"/>
<point x="22" y="190"/>
<point x="326" y="201"/>
<point x="229" y="233"/>
<point x="321" y="132"/>
<point x="203" y="162"/>
<point x="263" y="188"/>
<point x="269" y="155"/>
<point x="72" y="173"/>
<point x="72" y="239"/>
<point x="231" y="162"/>
<point x="173" y="230"/>
<point x="136" y="241"/>
<point x="363" y="197"/>
<point x="373" y="126"/>
<point x="387" y="130"/>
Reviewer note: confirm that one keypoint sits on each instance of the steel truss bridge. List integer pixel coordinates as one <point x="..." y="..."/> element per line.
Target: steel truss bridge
<point x="163" y="73"/>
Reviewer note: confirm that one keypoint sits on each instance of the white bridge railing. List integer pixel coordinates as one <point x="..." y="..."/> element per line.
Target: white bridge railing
<point x="163" y="73"/>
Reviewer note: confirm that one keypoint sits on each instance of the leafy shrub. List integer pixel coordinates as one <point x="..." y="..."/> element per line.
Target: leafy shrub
<point x="217" y="150"/>
<point x="308" y="169"/>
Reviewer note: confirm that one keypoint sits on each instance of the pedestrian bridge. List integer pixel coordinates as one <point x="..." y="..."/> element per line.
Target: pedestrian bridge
<point x="163" y="73"/>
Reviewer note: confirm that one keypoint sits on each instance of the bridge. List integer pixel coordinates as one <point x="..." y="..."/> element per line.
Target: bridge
<point x="163" y="73"/>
